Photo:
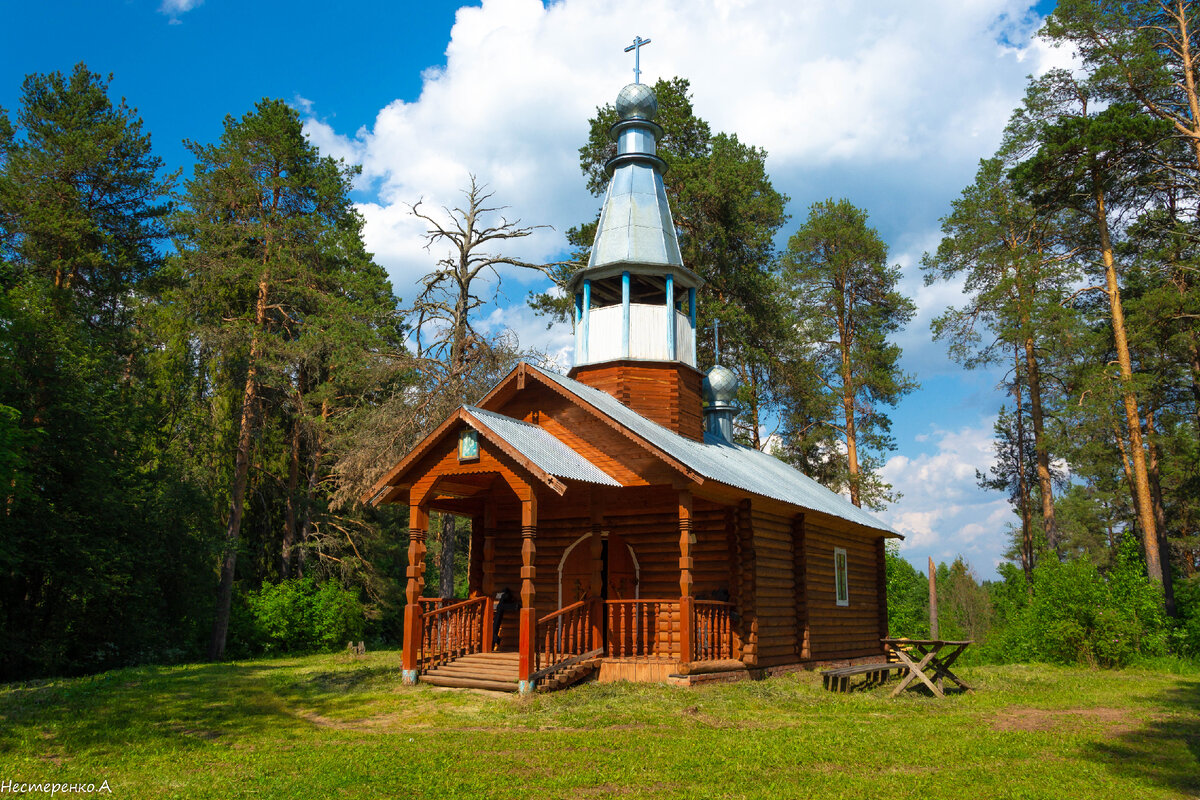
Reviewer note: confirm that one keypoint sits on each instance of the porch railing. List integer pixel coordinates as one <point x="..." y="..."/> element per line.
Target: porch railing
<point x="713" y="635"/>
<point x="453" y="631"/>
<point x="564" y="637"/>
<point x="643" y="628"/>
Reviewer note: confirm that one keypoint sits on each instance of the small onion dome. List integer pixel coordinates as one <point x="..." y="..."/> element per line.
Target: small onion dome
<point x="637" y="101"/>
<point x="720" y="387"/>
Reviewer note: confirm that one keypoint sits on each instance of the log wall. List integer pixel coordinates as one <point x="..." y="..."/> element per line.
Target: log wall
<point x="776" y="589"/>
<point x="835" y="631"/>
<point x="667" y="392"/>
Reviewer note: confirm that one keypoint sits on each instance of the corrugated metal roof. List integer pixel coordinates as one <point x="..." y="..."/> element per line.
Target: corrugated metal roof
<point x="718" y="460"/>
<point x="541" y="447"/>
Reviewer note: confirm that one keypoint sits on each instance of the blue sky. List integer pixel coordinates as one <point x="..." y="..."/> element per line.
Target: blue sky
<point x="890" y="105"/>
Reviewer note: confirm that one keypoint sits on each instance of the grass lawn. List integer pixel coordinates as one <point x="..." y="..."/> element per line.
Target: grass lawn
<point x="331" y="726"/>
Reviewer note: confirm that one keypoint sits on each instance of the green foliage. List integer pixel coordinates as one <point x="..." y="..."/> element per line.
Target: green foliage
<point x="907" y="596"/>
<point x="298" y="616"/>
<point x="106" y="547"/>
<point x="1079" y="616"/>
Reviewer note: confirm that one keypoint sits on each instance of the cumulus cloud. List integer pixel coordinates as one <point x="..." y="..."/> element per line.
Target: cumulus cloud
<point x="943" y="513"/>
<point x="890" y="105"/>
<point x="176" y="8"/>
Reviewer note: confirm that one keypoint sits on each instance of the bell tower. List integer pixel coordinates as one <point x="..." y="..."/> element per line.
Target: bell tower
<point x="635" y="302"/>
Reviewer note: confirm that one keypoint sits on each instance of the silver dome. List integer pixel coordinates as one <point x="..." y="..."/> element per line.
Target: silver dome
<point x="637" y="101"/>
<point x="720" y="387"/>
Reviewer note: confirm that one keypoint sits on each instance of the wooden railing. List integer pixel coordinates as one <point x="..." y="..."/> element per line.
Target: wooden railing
<point x="643" y="628"/>
<point x="562" y="635"/>
<point x="453" y="631"/>
<point x="713" y="633"/>
<point x="429" y="604"/>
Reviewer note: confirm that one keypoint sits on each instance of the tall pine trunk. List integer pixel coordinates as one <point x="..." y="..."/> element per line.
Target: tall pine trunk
<point x="1022" y="481"/>
<point x="446" y="561"/>
<point x="1145" y="508"/>
<point x="1037" y="417"/>
<point x="241" y="471"/>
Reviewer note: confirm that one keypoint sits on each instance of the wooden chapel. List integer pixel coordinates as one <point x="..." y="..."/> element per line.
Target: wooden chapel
<point x="617" y="529"/>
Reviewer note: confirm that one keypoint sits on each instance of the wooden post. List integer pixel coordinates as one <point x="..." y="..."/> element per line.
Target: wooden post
<point x="749" y="583"/>
<point x="687" y="538"/>
<point x="488" y="571"/>
<point x="528" y="621"/>
<point x="881" y="587"/>
<point x="596" y="580"/>
<point x="800" y="576"/>
<point x="418" y="523"/>
<point x="933" y="610"/>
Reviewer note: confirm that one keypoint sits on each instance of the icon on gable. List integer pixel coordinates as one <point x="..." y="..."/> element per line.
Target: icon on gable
<point x="468" y="445"/>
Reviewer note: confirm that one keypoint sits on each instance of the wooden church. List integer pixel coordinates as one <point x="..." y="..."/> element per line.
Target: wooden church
<point x="617" y="530"/>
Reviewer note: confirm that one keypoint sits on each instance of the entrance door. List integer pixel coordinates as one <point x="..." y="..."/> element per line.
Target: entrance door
<point x="619" y="575"/>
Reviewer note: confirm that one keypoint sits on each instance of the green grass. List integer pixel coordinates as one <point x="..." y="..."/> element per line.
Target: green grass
<point x="332" y="726"/>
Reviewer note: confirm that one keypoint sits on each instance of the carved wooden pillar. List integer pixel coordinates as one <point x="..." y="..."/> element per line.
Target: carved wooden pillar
<point x="418" y="523"/>
<point x="596" y="581"/>
<point x="800" y="574"/>
<point x="528" y="622"/>
<point x="687" y="621"/>
<point x="488" y="575"/>
<point x="749" y="584"/>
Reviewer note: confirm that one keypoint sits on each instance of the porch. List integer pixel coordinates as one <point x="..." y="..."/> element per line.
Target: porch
<point x="620" y="639"/>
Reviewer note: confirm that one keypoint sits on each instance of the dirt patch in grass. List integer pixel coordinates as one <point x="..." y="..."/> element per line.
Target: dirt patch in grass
<point x="1116" y="720"/>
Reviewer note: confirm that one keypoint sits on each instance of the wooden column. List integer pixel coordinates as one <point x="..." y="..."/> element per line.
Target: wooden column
<point x="748" y="561"/>
<point x="418" y="524"/>
<point x="687" y="621"/>
<point x="528" y="621"/>
<point x="881" y="587"/>
<point x="596" y="580"/>
<point x="800" y="573"/>
<point x="488" y="570"/>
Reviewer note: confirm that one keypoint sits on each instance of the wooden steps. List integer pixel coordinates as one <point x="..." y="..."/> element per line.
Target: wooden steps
<point x="569" y="676"/>
<point x="494" y="671"/>
<point x="497" y="672"/>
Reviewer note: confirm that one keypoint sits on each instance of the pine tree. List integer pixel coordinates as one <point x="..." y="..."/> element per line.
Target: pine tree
<point x="844" y="306"/>
<point x="283" y="301"/>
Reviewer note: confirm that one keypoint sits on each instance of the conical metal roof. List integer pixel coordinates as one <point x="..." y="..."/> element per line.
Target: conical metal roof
<point x="636" y="232"/>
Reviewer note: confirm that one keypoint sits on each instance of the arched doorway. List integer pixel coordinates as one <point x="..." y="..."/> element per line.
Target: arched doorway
<point x="621" y="572"/>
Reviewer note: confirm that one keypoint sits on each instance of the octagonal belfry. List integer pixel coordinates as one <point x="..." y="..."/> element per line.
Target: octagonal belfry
<point x="635" y="302"/>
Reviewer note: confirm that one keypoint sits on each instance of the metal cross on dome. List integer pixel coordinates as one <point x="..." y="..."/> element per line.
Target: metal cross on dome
<point x="636" y="47"/>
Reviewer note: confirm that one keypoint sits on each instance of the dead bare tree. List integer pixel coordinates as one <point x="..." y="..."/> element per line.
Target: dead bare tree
<point x="448" y="346"/>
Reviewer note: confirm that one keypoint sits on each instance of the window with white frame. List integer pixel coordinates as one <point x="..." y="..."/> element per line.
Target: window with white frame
<point x="841" y="576"/>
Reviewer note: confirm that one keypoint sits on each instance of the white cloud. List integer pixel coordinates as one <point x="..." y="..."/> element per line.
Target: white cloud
<point x="890" y="105"/>
<point x="886" y="104"/>
<point x="175" y="8"/>
<point x="943" y="513"/>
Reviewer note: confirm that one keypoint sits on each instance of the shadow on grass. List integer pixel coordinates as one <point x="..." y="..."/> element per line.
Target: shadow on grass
<point x="181" y="707"/>
<point x="1166" y="749"/>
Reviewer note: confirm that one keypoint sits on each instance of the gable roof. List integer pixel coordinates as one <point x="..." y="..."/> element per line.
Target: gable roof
<point x="544" y="456"/>
<point x="732" y="464"/>
<point x="540" y="447"/>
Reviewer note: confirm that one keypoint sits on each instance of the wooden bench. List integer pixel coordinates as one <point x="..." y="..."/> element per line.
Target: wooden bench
<point x="838" y="679"/>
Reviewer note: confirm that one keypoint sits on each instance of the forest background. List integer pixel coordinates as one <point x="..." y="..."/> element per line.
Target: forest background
<point x="200" y="372"/>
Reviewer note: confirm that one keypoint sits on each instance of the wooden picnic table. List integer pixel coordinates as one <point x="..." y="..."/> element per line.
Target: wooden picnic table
<point x="936" y="656"/>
